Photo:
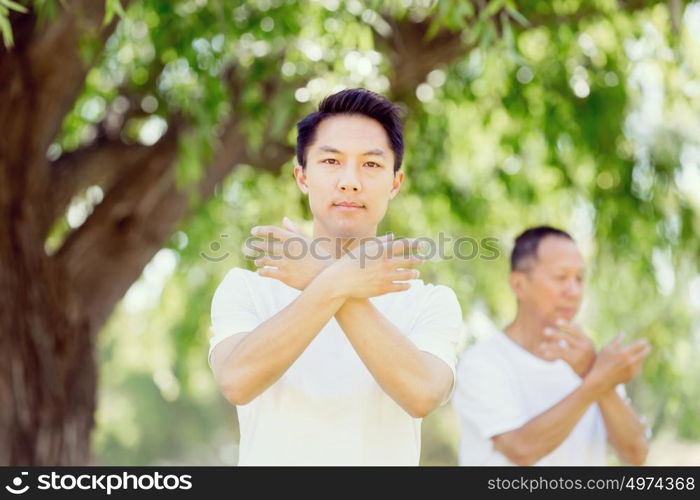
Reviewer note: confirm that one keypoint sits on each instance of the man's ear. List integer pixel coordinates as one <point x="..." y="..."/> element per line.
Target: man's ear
<point x="518" y="283"/>
<point x="396" y="183"/>
<point x="300" y="177"/>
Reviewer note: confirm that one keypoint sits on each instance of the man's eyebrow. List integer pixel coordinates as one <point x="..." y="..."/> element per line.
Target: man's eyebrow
<point x="374" y="152"/>
<point x="371" y="152"/>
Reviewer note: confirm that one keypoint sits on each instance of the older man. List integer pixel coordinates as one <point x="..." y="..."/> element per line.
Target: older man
<point x="537" y="393"/>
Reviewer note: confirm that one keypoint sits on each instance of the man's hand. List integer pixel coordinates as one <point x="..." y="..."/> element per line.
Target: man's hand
<point x="289" y="255"/>
<point x="294" y="258"/>
<point x="376" y="267"/>
<point x="568" y="342"/>
<point x="618" y="364"/>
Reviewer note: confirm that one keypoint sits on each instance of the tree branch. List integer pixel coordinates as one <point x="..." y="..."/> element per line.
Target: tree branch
<point x="413" y="56"/>
<point x="110" y="249"/>
<point x="103" y="257"/>
<point x="102" y="163"/>
<point x="40" y="79"/>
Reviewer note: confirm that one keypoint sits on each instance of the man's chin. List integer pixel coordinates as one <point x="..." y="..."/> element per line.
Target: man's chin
<point x="349" y="235"/>
<point x="348" y="231"/>
<point x="566" y="315"/>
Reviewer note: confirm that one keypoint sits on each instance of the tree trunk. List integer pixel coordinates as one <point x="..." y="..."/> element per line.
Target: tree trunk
<point x="48" y="374"/>
<point x="47" y="368"/>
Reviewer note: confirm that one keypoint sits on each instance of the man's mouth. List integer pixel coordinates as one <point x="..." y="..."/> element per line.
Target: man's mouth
<point x="348" y="205"/>
<point x="568" y="311"/>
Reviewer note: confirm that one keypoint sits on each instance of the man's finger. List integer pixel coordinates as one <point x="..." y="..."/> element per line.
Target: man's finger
<point x="576" y="342"/>
<point x="412" y="261"/>
<point x="292" y="226"/>
<point x="638" y="358"/>
<point x="268" y="247"/>
<point x="398" y="287"/>
<point x="615" y="343"/>
<point x="556" y="334"/>
<point x="572" y="341"/>
<point x="637" y="362"/>
<point x="289" y="225"/>
<point x="274" y="232"/>
<point x="251" y="251"/>
<point x="551" y="351"/>
<point x="405" y="275"/>
<point x="571" y="328"/>
<point x="265" y="261"/>
<point x="270" y="272"/>
<point x="638" y="347"/>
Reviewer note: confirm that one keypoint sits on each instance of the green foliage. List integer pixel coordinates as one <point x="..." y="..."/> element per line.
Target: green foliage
<point x="5" y="7"/>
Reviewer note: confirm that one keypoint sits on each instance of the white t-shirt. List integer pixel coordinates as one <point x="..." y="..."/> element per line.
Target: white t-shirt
<point x="327" y="409"/>
<point x="501" y="386"/>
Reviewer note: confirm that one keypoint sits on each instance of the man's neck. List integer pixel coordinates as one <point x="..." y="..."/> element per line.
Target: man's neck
<point x="527" y="330"/>
<point x="339" y="245"/>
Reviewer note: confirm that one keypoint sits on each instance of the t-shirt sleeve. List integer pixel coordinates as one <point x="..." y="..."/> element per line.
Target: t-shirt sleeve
<point x="232" y="308"/>
<point x="438" y="328"/>
<point x="485" y="397"/>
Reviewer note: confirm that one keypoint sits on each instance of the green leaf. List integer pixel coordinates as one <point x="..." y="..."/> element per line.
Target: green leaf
<point x="491" y="9"/>
<point x="518" y="17"/>
<point x="14" y="6"/>
<point x="6" y="32"/>
<point x="113" y="7"/>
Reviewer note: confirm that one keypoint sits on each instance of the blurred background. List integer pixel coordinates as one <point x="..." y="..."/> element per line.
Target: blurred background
<point x="141" y="158"/>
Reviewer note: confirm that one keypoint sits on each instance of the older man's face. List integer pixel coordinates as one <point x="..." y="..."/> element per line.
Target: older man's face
<point x="553" y="286"/>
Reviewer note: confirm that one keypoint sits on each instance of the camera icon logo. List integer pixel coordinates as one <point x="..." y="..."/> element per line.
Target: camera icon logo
<point x="17" y="483"/>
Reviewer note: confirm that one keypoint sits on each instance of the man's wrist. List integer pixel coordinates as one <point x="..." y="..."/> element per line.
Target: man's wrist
<point x="585" y="371"/>
<point x="329" y="281"/>
<point x="594" y="386"/>
<point x="608" y="395"/>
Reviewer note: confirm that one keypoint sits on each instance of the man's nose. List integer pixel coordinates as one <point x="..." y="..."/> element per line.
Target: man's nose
<point x="574" y="288"/>
<point x="349" y="180"/>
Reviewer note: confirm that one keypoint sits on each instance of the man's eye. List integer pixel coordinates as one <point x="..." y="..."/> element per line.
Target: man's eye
<point x="372" y="164"/>
<point x="330" y="161"/>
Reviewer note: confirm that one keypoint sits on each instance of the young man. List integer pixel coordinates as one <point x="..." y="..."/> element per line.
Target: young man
<point x="537" y="393"/>
<point x="331" y="358"/>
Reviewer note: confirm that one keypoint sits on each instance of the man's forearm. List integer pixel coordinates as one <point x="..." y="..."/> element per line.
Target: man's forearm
<point x="626" y="433"/>
<point x="397" y="365"/>
<point x="543" y="434"/>
<point x="265" y="353"/>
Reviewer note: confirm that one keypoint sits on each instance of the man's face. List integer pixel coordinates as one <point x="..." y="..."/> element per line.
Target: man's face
<point x="349" y="176"/>
<point x="552" y="288"/>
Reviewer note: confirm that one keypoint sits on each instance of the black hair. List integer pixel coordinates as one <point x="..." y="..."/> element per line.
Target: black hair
<point x="354" y="102"/>
<point x="526" y="245"/>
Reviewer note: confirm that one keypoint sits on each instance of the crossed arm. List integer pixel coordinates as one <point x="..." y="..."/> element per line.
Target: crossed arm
<point x="416" y="380"/>
<point x="541" y="435"/>
<point x="248" y="363"/>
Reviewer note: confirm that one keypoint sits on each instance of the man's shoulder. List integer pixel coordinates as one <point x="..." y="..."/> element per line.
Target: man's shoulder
<point x="485" y="354"/>
<point x="421" y="290"/>
<point x="487" y="347"/>
<point x="240" y="273"/>
<point x="238" y="278"/>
